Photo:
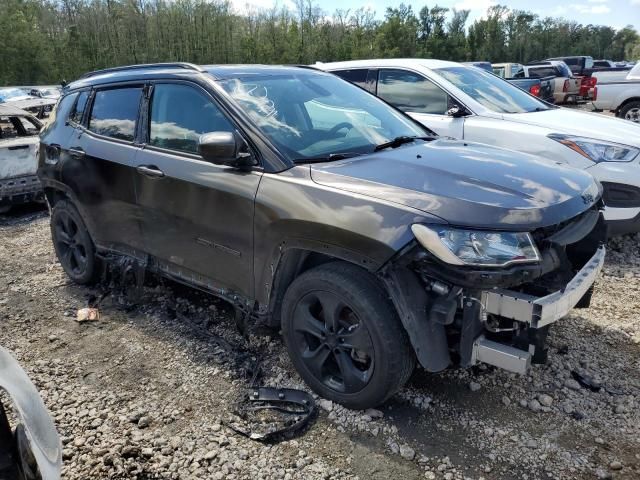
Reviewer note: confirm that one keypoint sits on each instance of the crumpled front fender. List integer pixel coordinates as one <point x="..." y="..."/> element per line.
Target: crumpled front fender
<point x="33" y="416"/>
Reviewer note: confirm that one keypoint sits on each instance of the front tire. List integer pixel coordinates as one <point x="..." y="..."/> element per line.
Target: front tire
<point x="344" y="337"/>
<point x="631" y="111"/>
<point x="73" y="244"/>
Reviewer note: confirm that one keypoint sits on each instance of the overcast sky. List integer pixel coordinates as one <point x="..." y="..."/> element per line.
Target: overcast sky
<point x="615" y="13"/>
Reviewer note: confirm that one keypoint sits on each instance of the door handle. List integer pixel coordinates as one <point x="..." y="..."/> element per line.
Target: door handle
<point x="150" y="171"/>
<point x="76" y="152"/>
<point x="19" y="147"/>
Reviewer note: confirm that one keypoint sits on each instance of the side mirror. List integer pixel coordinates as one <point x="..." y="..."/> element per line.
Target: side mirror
<point x="457" y="111"/>
<point x="225" y="148"/>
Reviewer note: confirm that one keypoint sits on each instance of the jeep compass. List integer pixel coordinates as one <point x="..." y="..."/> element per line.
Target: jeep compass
<point x="314" y="206"/>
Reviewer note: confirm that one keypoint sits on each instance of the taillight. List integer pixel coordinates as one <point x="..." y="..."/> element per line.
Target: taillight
<point x="535" y="90"/>
<point x="565" y="88"/>
<point x="595" y="93"/>
<point x="593" y="81"/>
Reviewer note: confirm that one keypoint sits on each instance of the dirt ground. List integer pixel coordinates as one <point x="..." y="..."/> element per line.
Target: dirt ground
<point x="145" y="391"/>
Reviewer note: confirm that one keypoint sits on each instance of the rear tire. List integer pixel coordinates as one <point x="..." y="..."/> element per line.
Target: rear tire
<point x="344" y="336"/>
<point x="73" y="244"/>
<point x="631" y="111"/>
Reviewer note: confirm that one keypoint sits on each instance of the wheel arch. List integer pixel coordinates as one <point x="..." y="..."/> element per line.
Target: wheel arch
<point x="295" y="258"/>
<point x="56" y="192"/>
<point x="626" y="102"/>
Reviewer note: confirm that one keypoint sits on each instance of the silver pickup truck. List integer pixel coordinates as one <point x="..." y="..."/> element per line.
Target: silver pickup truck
<point x="619" y="92"/>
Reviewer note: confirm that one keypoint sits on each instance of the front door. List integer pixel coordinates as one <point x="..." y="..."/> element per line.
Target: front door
<point x="422" y="99"/>
<point x="197" y="217"/>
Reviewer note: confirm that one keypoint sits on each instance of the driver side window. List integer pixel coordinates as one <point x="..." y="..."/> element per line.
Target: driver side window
<point x="411" y="92"/>
<point x="180" y="114"/>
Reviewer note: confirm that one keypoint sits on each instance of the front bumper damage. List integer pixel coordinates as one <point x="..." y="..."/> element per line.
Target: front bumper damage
<point x="535" y="312"/>
<point x="32" y="450"/>
<point x="499" y="316"/>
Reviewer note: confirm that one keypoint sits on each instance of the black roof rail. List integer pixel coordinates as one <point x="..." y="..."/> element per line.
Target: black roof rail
<point x="124" y="68"/>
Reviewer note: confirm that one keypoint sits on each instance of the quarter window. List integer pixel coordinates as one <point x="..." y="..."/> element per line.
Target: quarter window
<point x="115" y="112"/>
<point x="180" y="114"/>
<point x="78" y="109"/>
<point x="411" y="92"/>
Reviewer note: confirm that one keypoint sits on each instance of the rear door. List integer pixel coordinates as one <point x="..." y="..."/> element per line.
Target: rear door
<point x="99" y="165"/>
<point x="419" y="97"/>
<point x="197" y="217"/>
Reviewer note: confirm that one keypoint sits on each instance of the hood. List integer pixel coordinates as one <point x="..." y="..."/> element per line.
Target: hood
<point x="467" y="184"/>
<point x="583" y="124"/>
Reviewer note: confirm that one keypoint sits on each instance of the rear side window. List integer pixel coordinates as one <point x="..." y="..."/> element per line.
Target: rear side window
<point x="499" y="71"/>
<point x="115" y="112"/>
<point x="411" y="92"/>
<point x="357" y="76"/>
<point x="78" y="109"/>
<point x="540" y="72"/>
<point x="180" y="114"/>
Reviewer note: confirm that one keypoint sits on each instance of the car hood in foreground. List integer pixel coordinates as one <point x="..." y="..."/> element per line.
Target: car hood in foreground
<point x="467" y="184"/>
<point x="583" y="124"/>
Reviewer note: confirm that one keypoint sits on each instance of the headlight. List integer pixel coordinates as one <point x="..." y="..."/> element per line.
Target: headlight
<point x="458" y="246"/>
<point x="597" y="150"/>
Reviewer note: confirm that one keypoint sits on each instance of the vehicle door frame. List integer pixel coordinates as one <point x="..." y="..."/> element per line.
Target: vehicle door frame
<point x="164" y="265"/>
<point x="452" y="98"/>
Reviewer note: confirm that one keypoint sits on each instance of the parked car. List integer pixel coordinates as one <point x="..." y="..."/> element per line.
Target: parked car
<point x="314" y="206"/>
<point x="40" y="107"/>
<point x="541" y="87"/>
<point x="462" y="102"/>
<point x="620" y="95"/>
<point x="18" y="157"/>
<point x="31" y="449"/>
<point x="566" y="86"/>
<point x="52" y="92"/>
<point x="581" y="66"/>
<point x="604" y="64"/>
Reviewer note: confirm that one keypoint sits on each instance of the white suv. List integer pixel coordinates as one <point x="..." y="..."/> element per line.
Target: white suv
<point x="468" y="103"/>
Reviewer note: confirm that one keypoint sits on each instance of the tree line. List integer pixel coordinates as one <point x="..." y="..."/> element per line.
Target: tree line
<point x="45" y="41"/>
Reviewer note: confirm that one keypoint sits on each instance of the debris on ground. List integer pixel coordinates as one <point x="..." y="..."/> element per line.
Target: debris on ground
<point x="88" y="315"/>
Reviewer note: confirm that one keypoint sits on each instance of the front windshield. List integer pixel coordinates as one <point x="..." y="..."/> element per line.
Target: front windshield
<point x="491" y="91"/>
<point x="311" y="115"/>
<point x="9" y="93"/>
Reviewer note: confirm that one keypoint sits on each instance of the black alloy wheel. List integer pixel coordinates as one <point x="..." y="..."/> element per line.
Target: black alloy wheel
<point x="344" y="336"/>
<point x="73" y="244"/>
<point x="334" y="345"/>
<point x="70" y="244"/>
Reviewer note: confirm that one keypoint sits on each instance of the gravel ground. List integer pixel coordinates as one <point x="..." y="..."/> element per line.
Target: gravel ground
<point x="144" y="392"/>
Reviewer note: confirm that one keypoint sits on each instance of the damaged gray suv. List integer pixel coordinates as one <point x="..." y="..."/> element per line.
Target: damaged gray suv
<point x="315" y="207"/>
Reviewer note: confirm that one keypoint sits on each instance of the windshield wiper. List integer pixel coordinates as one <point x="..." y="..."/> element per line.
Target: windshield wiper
<point x="396" y="142"/>
<point x="327" y="158"/>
